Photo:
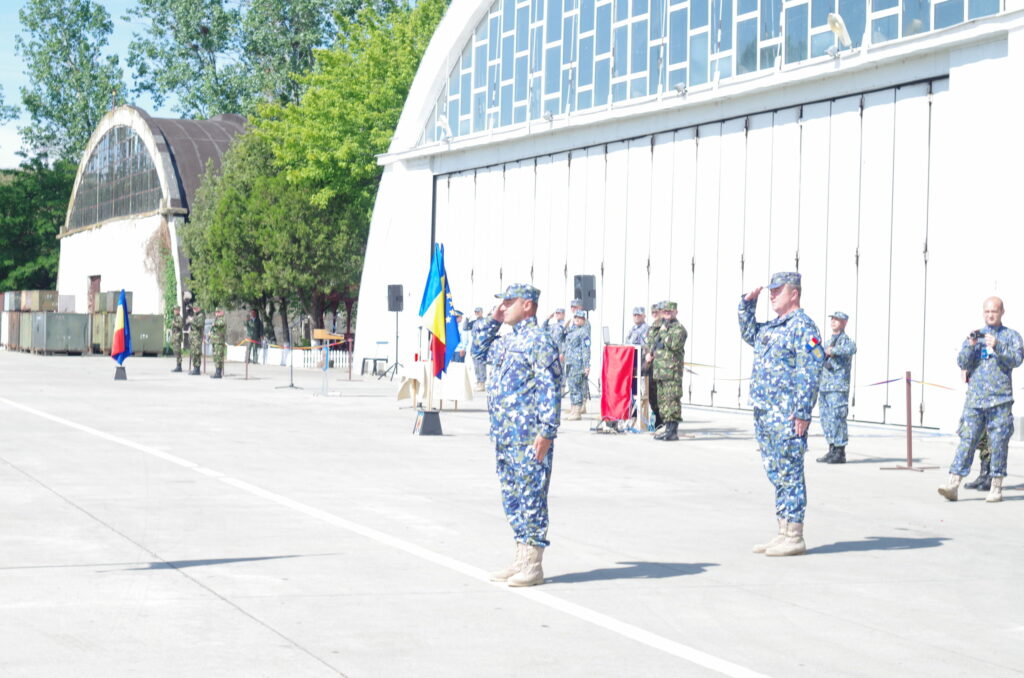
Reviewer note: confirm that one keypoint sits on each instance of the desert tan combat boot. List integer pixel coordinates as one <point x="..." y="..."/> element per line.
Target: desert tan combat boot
<point x="774" y="541"/>
<point x="952" y="487"/>
<point x="532" y="573"/>
<point x="480" y="386"/>
<point x="574" y="414"/>
<point x="516" y="566"/>
<point x="995" y="493"/>
<point x="793" y="543"/>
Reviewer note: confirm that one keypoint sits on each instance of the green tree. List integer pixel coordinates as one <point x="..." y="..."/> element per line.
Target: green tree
<point x="7" y="113"/>
<point x="33" y="203"/>
<point x="72" y="83"/>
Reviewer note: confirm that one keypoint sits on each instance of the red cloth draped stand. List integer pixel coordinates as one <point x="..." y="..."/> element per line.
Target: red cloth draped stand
<point x="617" y="387"/>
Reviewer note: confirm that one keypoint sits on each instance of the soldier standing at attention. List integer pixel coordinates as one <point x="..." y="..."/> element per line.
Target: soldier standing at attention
<point x="783" y="387"/>
<point x="577" y="365"/>
<point x="652" y="392"/>
<point x="218" y="343"/>
<point x="195" y="338"/>
<point x="479" y="360"/>
<point x="177" y="333"/>
<point x="254" y="333"/>
<point x="638" y="333"/>
<point x="834" y="391"/>
<point x="555" y="325"/>
<point x="524" y="404"/>
<point x="666" y="359"/>
<point x="989" y="355"/>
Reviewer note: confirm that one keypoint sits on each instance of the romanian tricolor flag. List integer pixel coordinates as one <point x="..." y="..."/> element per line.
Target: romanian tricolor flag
<point x="121" y="346"/>
<point x="438" y="314"/>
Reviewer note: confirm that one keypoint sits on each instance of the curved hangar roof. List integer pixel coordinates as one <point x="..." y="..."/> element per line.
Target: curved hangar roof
<point x="135" y="165"/>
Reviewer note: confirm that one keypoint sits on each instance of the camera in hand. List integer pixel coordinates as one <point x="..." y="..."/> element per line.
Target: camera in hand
<point x="977" y="334"/>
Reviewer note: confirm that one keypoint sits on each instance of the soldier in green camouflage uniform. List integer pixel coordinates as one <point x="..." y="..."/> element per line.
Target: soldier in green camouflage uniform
<point x="652" y="392"/>
<point x="666" y="357"/>
<point x="177" y="333"/>
<point x="254" y="333"/>
<point x="195" y="339"/>
<point x="218" y="342"/>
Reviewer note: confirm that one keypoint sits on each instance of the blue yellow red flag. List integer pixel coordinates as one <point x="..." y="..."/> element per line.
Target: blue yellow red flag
<point x="121" y="345"/>
<point x="437" y="311"/>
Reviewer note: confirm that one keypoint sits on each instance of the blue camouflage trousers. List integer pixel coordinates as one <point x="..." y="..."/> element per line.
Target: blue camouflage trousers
<point x="998" y="422"/>
<point x="833" y="406"/>
<point x="782" y="454"/>
<point x="524" y="491"/>
<point x="480" y="368"/>
<point x="576" y="382"/>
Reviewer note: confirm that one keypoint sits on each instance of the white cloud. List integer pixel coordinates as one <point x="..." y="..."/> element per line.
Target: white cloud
<point x="10" y="143"/>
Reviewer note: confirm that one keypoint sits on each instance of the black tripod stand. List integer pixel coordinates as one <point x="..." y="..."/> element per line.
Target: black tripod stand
<point x="391" y="370"/>
<point x="291" y="362"/>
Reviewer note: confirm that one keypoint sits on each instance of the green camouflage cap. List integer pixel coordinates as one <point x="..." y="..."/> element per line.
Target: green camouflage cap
<point x="669" y="306"/>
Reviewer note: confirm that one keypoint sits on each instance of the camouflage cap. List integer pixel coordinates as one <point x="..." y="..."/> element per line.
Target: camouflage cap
<point x="576" y="302"/>
<point x="458" y="313"/>
<point x="639" y="310"/>
<point x="520" y="291"/>
<point x="478" y="309"/>
<point x="559" y="310"/>
<point x="655" y="307"/>
<point x="580" y="314"/>
<point x="839" y="315"/>
<point x="784" y="278"/>
<point x="669" y="306"/>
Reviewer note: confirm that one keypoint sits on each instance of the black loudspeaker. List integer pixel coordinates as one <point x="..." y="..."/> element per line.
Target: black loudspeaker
<point x="585" y="289"/>
<point x="396" y="298"/>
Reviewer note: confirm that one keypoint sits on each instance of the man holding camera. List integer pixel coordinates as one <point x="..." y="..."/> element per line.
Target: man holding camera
<point x="989" y="356"/>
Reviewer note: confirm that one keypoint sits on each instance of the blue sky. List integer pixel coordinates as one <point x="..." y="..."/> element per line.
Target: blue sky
<point x="12" y="76"/>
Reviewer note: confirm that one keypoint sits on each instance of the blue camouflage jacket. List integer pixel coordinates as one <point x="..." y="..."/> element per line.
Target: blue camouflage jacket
<point x="637" y="335"/>
<point x="556" y="330"/>
<point x="835" y="373"/>
<point x="577" y="347"/>
<point x="525" y="393"/>
<point x="787" y="361"/>
<point x="990" y="382"/>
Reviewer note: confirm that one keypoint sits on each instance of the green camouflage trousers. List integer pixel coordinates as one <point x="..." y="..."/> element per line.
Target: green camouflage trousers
<point x="669" y="392"/>
<point x="219" y="352"/>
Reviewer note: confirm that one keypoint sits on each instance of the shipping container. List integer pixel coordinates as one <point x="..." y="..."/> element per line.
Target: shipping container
<point x="39" y="300"/>
<point x="60" y="332"/>
<point x="147" y="334"/>
<point x="13" y="323"/>
<point x="25" y="332"/>
<point x="12" y="301"/>
<point x="65" y="303"/>
<point x="101" y="332"/>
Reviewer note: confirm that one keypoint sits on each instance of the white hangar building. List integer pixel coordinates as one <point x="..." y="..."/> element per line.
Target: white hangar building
<point x="685" y="149"/>
<point x="138" y="174"/>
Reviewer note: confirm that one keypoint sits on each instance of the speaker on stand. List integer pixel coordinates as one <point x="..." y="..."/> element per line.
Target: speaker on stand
<point x="585" y="289"/>
<point x="396" y="303"/>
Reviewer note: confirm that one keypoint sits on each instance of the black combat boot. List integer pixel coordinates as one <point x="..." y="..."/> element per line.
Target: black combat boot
<point x="827" y="458"/>
<point x="671" y="432"/>
<point x="194" y="372"/>
<point x="983" y="482"/>
<point x="839" y="456"/>
<point x="177" y="369"/>
<point x="217" y="374"/>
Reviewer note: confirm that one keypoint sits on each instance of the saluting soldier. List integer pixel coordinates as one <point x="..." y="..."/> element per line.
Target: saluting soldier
<point x="177" y="334"/>
<point x="667" y="351"/>
<point x="195" y="338"/>
<point x="555" y="325"/>
<point x="577" y="365"/>
<point x="638" y="333"/>
<point x="834" y="396"/>
<point x="218" y="343"/>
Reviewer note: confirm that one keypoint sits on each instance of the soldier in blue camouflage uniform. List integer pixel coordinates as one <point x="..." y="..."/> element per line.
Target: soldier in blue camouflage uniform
<point x="577" y="365"/>
<point x="524" y="401"/>
<point x="834" y="391"/>
<point x="555" y="325"/>
<point x="479" y="361"/>
<point x="989" y="356"/>
<point x="783" y="388"/>
<point x="638" y="333"/>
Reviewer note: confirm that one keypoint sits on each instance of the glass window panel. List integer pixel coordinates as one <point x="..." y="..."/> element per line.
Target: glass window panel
<point x="699" y="13"/>
<point x="746" y="46"/>
<point x="521" y="73"/>
<point x="535" y="87"/>
<point x="508" y="58"/>
<point x="554" y="21"/>
<point x="620" y="91"/>
<point x="639" y="7"/>
<point x="916" y="16"/>
<point x="977" y="8"/>
<point x="879" y="5"/>
<point x="522" y="29"/>
<point x="493" y="42"/>
<point x="884" y="29"/>
<point x="771" y="19"/>
<point x="768" y="55"/>
<point x="519" y="114"/>
<point x="569" y="31"/>
<point x="536" y="10"/>
<point x="604" y="29"/>
<point x="571" y="5"/>
<point x="677" y="77"/>
<point x="453" y="82"/>
<point x="621" y="10"/>
<point x="480" y="66"/>
<point x="586" y="61"/>
<point x="796" y="34"/>
<point x="478" y="112"/>
<point x="586" y="16"/>
<point x="481" y="31"/>
<point x="508" y="15"/>
<point x="721" y="12"/>
<point x="638" y="53"/>
<point x="463" y="127"/>
<point x="638" y="87"/>
<point x="585" y="100"/>
<point x="602" y="80"/>
<point x="854" y="13"/>
<point x="492" y="85"/>
<point x="467" y="86"/>
<point x="724" y="66"/>
<point x="949" y="13"/>
<point x="621" y="52"/>
<point x="677" y="39"/>
<point x="698" y="58"/>
<point x="820" y="43"/>
<point x="536" y="50"/>
<point x="552" y="62"/>
<point x="551" y="106"/>
<point x="657" y="19"/>
<point x="655" y="69"/>
<point x="820" y="10"/>
<point x="467" y="56"/>
<point x="744" y="6"/>
<point x="568" y="96"/>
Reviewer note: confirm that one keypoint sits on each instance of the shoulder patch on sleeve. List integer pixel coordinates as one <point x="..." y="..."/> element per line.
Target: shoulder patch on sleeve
<point x="813" y="347"/>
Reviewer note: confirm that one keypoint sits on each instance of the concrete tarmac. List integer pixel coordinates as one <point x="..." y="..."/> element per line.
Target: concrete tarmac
<point x="173" y="525"/>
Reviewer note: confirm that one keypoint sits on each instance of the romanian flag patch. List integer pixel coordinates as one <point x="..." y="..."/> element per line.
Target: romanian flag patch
<point x="814" y="348"/>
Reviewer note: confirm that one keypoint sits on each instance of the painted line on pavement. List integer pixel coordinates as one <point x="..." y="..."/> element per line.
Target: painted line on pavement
<point x="582" y="613"/>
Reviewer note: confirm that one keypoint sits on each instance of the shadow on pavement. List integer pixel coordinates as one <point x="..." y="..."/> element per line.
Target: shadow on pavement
<point x="182" y="564"/>
<point x="879" y="460"/>
<point x="633" y="570"/>
<point x="881" y="544"/>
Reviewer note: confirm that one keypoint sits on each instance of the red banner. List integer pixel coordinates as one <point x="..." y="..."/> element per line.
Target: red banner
<point x="617" y="382"/>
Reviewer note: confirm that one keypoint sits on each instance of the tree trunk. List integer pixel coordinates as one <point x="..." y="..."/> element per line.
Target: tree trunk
<point x="266" y="310"/>
<point x="317" y="310"/>
<point x="283" y="309"/>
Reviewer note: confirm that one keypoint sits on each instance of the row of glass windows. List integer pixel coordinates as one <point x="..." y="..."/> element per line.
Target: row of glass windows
<point x="529" y="59"/>
<point x="119" y="180"/>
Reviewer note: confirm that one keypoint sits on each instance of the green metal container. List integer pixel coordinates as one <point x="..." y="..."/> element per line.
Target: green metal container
<point x="147" y="334"/>
<point x="25" y="332"/>
<point x="13" y="329"/>
<point x="60" y="332"/>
